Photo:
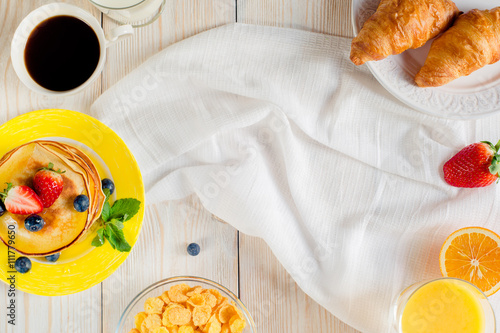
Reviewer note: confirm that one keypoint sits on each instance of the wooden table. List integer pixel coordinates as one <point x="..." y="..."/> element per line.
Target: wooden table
<point x="243" y="264"/>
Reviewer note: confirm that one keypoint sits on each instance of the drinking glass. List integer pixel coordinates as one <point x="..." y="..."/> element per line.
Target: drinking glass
<point x="443" y="305"/>
<point x="137" y="13"/>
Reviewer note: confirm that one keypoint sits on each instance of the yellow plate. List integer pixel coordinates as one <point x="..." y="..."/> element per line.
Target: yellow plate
<point x="81" y="266"/>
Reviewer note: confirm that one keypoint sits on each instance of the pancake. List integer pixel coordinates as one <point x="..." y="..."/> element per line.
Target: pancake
<point x="63" y="224"/>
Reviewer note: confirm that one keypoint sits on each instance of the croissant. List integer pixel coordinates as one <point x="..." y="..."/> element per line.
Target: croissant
<point x="398" y="25"/>
<point x="471" y="43"/>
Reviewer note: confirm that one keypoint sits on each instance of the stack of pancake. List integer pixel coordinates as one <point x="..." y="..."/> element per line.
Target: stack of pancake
<point x="63" y="224"/>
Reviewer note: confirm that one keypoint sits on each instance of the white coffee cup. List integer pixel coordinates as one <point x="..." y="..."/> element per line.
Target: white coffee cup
<point x="30" y="22"/>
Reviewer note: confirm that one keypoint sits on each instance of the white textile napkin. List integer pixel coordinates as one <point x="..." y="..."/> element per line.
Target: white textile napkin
<point x="282" y="137"/>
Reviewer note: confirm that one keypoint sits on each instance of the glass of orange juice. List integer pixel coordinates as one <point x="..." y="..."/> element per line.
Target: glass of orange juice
<point x="444" y="305"/>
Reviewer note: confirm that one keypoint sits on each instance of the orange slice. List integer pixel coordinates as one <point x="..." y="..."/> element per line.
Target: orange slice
<point x="473" y="254"/>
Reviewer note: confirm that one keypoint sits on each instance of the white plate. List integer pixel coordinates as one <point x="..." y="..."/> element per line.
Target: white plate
<point x="471" y="97"/>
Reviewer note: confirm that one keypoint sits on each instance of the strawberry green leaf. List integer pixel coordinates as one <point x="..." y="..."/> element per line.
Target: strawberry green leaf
<point x="50" y="167"/>
<point x="489" y="144"/>
<point x="495" y="165"/>
<point x="3" y="194"/>
<point x="497" y="146"/>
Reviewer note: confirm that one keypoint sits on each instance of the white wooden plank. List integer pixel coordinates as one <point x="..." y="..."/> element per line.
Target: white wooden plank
<point x="324" y="16"/>
<point x="79" y="313"/>
<point x="36" y="313"/>
<point x="181" y="19"/>
<point x="161" y="253"/>
<point x="274" y="299"/>
<point x="168" y="228"/>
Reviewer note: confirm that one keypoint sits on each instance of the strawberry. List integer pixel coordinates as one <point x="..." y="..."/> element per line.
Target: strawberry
<point x="48" y="184"/>
<point x="21" y="200"/>
<point x="476" y="165"/>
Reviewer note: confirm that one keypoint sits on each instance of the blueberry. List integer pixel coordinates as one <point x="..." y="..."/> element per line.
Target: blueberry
<point x="34" y="223"/>
<point x="81" y="203"/>
<point x="23" y="265"/>
<point x="2" y="208"/>
<point x="193" y="249"/>
<point x="108" y="183"/>
<point x="53" y="257"/>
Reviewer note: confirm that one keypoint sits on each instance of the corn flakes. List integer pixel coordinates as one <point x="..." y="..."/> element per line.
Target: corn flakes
<point x="164" y="298"/>
<point x="196" y="300"/>
<point x="164" y="320"/>
<point x="217" y="294"/>
<point x="210" y="299"/>
<point x="154" y="305"/>
<point x="194" y="290"/>
<point x="178" y="292"/>
<point x="201" y="315"/>
<point x="179" y="315"/>
<point x="139" y="318"/>
<point x="186" y="329"/>
<point x="225" y="313"/>
<point x="236" y="325"/>
<point x="238" y="312"/>
<point x="160" y="330"/>
<point x="183" y="309"/>
<point x="151" y="322"/>
<point x="213" y="327"/>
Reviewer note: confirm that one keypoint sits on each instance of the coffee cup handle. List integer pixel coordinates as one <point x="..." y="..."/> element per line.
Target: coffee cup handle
<point x="119" y="33"/>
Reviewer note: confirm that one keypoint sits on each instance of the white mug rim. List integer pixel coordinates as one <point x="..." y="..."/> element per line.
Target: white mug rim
<point x="31" y="21"/>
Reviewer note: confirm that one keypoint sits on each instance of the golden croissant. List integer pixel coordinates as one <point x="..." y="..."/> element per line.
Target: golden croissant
<point x="398" y="25"/>
<point x="471" y="43"/>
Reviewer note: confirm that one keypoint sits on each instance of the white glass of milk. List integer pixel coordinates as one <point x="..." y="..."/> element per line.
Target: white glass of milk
<point x="137" y="13"/>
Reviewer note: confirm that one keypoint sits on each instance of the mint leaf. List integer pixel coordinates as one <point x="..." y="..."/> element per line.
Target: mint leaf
<point x="117" y="238"/>
<point x="106" y="209"/>
<point x="99" y="239"/>
<point x="106" y="212"/>
<point x="107" y="234"/>
<point x="107" y="193"/>
<point x="117" y="223"/>
<point x="113" y="218"/>
<point x="124" y="209"/>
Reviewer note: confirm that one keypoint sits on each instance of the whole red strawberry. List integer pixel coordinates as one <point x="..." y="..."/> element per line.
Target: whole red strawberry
<point x="476" y="165"/>
<point x="21" y="200"/>
<point x="48" y="184"/>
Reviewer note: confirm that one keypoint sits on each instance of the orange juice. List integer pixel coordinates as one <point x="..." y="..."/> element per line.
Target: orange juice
<point x="451" y="306"/>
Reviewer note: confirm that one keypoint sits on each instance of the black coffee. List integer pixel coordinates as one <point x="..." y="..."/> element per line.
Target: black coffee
<point x="62" y="53"/>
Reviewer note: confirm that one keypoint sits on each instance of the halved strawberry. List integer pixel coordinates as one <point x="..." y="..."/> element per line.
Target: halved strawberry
<point x="21" y="200"/>
<point x="48" y="184"/>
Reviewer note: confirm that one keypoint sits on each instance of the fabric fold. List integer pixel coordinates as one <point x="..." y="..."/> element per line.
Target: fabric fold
<point x="282" y="137"/>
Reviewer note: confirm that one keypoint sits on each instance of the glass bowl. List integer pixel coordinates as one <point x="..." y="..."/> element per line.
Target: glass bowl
<point x="135" y="306"/>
